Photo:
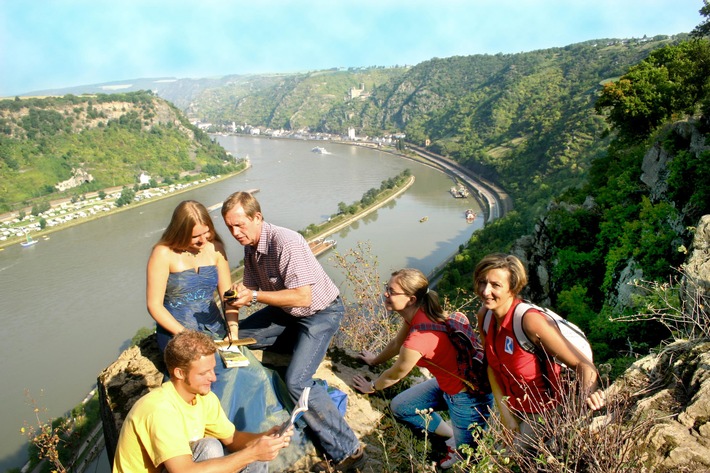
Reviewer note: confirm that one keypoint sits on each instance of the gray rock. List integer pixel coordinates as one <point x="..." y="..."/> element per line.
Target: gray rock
<point x="136" y="372"/>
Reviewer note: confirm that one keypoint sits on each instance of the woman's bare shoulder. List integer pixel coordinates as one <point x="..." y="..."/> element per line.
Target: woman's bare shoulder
<point x="161" y="250"/>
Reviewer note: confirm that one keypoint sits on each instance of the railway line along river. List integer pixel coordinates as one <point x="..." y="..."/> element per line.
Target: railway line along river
<point x="71" y="304"/>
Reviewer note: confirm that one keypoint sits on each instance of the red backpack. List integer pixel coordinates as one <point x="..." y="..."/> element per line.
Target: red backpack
<point x="469" y="351"/>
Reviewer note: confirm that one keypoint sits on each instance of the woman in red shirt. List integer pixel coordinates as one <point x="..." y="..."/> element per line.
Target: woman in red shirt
<point x="408" y="294"/>
<point x="519" y="380"/>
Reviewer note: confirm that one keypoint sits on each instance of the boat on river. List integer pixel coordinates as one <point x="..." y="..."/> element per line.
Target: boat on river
<point x="29" y="241"/>
<point x="423" y="219"/>
<point x="459" y="192"/>
<point x="321" y="245"/>
<point x="470" y="215"/>
<point x="319" y="150"/>
<point x="218" y="205"/>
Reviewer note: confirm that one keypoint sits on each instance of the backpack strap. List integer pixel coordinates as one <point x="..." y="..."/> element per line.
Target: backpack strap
<point x="487" y="321"/>
<point x="443" y="327"/>
<point x="520" y="335"/>
<point x="429" y="326"/>
<point x="518" y="330"/>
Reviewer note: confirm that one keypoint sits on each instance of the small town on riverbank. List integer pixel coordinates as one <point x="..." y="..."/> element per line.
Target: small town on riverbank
<point x="24" y="227"/>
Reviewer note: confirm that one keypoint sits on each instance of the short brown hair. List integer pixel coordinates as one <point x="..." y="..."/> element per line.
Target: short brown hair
<point x="186" y="347"/>
<point x="247" y="201"/>
<point x="517" y="277"/>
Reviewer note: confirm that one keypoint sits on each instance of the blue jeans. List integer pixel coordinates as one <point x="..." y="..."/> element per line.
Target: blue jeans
<point x="464" y="409"/>
<point x="209" y="447"/>
<point x="308" y="338"/>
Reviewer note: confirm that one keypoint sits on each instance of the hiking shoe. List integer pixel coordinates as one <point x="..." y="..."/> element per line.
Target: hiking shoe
<point x="350" y="464"/>
<point x="452" y="456"/>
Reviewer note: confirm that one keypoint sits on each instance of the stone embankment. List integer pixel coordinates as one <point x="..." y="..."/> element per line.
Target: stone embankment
<point x="496" y="202"/>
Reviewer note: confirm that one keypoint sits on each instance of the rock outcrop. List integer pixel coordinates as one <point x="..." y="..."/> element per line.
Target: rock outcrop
<point x="670" y="391"/>
<point x="133" y="374"/>
<point x="671" y="403"/>
<point x="79" y="177"/>
<point x="139" y="370"/>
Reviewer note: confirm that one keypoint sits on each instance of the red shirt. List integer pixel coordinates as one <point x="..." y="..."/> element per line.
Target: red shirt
<point x="519" y="373"/>
<point x="436" y="347"/>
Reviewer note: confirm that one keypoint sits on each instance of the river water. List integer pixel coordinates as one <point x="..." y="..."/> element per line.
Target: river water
<point x="71" y="304"/>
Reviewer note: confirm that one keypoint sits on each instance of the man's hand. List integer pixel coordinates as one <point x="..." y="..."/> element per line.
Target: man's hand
<point x="268" y="446"/>
<point x="242" y="297"/>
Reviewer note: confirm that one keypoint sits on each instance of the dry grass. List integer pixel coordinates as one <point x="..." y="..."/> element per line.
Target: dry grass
<point x="568" y="439"/>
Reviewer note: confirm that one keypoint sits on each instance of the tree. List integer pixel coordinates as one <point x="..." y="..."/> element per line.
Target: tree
<point x="127" y="196"/>
<point x="672" y="80"/>
<point x="703" y="29"/>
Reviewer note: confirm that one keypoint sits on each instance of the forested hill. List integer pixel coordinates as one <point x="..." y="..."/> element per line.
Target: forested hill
<point x="613" y="251"/>
<point x="102" y="141"/>
<point x="525" y="119"/>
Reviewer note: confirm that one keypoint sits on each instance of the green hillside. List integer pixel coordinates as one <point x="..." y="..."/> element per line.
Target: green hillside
<point x="523" y="119"/>
<point x="285" y="101"/>
<point x="565" y="132"/>
<point x="614" y="247"/>
<point x="112" y="138"/>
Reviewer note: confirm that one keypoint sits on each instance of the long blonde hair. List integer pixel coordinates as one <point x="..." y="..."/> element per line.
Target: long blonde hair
<point x="178" y="234"/>
<point x="414" y="283"/>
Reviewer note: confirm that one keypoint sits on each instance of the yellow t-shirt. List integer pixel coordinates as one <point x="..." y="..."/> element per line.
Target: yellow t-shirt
<point x="161" y="425"/>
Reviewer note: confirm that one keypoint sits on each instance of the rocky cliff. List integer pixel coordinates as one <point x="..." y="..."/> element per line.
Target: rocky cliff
<point x="669" y="391"/>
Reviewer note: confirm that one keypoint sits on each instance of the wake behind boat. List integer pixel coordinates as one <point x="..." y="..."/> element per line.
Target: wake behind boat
<point x="218" y="205"/>
<point x="319" y="150"/>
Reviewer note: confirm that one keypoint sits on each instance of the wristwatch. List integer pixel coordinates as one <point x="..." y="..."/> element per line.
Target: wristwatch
<point x="372" y="385"/>
<point x="253" y="297"/>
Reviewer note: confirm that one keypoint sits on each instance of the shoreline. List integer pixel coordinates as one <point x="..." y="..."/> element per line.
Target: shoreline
<point x="363" y="213"/>
<point x="133" y="205"/>
<point x="482" y="189"/>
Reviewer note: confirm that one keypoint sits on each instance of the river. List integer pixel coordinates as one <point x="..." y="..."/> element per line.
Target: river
<point x="70" y="304"/>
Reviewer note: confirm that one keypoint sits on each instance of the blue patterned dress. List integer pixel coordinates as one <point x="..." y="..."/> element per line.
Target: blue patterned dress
<point x="189" y="297"/>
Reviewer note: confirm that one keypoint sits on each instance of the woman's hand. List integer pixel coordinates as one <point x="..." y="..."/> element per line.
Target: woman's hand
<point x="362" y="384"/>
<point x="232" y="332"/>
<point x="367" y="357"/>
<point x="596" y="400"/>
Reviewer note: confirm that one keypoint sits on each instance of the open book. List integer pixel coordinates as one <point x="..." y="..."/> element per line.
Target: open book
<point x="233" y="356"/>
<point x="298" y="411"/>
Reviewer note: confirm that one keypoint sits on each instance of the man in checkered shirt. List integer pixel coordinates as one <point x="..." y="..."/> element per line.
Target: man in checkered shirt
<point x="303" y="311"/>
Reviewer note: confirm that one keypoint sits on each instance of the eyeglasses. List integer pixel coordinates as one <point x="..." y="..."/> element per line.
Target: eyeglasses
<point x="390" y="292"/>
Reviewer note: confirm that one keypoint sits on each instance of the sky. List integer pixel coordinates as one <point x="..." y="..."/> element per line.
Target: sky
<point x="46" y="44"/>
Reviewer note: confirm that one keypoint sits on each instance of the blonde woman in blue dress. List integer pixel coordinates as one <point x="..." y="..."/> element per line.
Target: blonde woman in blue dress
<point x="185" y="268"/>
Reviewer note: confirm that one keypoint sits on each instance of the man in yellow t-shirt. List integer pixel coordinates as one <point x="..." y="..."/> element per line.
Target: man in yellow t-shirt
<point x="181" y="426"/>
